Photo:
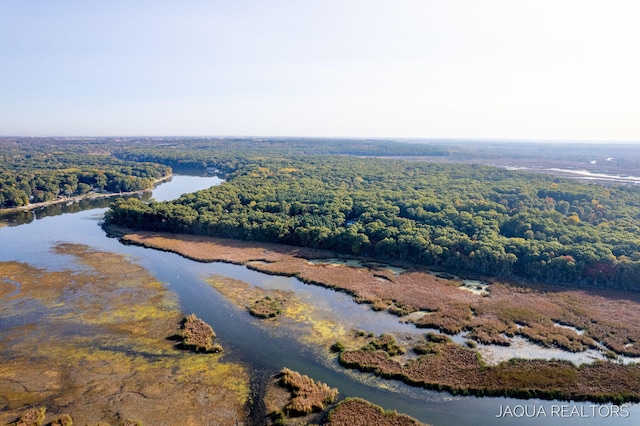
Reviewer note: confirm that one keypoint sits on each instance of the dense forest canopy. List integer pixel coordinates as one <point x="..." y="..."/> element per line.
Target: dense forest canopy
<point x="33" y="171"/>
<point x="334" y="194"/>
<point x="484" y="220"/>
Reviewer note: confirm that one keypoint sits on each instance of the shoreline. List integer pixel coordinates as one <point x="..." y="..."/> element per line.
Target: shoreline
<point x="416" y="290"/>
<point x="78" y="198"/>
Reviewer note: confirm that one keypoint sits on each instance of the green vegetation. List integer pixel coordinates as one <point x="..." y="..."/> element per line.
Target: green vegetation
<point x="266" y="307"/>
<point x="317" y="193"/>
<point x="386" y="343"/>
<point x="34" y="171"/>
<point x="457" y="217"/>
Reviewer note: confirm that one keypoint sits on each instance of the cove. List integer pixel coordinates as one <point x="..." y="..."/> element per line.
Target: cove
<point x="267" y="349"/>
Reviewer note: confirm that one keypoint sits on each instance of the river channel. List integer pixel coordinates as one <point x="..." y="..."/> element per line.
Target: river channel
<point x="31" y="237"/>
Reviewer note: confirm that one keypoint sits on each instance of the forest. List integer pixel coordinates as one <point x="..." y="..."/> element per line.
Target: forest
<point x="455" y="217"/>
<point x="47" y="170"/>
<point x="446" y="214"/>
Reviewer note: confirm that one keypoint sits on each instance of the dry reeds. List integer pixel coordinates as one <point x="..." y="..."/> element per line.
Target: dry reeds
<point x="358" y="412"/>
<point x="308" y="395"/>
<point x="266" y="307"/>
<point x="32" y="417"/>
<point x="197" y="335"/>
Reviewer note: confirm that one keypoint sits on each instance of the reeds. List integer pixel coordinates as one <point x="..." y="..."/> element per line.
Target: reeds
<point x="308" y="395"/>
<point x="356" y="412"/>
<point x="266" y="307"/>
<point x="32" y="417"/>
<point x="197" y="335"/>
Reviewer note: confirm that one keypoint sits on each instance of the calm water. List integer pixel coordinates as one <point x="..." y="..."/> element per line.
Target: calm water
<point x="265" y="348"/>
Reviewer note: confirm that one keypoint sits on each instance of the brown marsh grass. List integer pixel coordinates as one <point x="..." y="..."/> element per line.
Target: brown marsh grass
<point x="266" y="307"/>
<point x="447" y="366"/>
<point x="358" y="412"/>
<point x="307" y="395"/>
<point x="31" y="417"/>
<point x="609" y="317"/>
<point x="197" y="335"/>
<point x="282" y="406"/>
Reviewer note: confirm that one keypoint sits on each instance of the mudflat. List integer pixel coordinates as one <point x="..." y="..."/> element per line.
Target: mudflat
<point x="90" y="341"/>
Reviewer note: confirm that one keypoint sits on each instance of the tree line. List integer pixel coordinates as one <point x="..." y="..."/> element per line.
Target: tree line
<point x="322" y="193"/>
<point x="465" y="218"/>
<point x="33" y="172"/>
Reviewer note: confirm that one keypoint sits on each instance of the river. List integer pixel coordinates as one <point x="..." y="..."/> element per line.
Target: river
<point x="31" y="237"/>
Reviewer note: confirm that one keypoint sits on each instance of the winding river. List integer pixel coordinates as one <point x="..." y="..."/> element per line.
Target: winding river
<point x="30" y="238"/>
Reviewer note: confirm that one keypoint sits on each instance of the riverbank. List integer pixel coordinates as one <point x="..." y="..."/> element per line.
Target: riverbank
<point x="566" y="318"/>
<point x="89" y="196"/>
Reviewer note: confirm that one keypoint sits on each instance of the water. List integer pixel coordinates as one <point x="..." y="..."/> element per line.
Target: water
<point x="183" y="184"/>
<point x="267" y="349"/>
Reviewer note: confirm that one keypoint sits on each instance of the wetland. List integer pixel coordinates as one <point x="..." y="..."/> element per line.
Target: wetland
<point x="86" y="319"/>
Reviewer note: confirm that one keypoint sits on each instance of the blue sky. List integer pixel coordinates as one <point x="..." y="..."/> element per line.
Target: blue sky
<point x="561" y="69"/>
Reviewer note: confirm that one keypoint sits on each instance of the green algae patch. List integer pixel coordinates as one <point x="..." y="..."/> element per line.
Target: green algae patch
<point x="91" y="342"/>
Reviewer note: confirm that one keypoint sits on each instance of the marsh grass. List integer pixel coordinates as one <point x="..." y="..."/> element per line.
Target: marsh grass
<point x="92" y="339"/>
<point x="197" y="335"/>
<point x="386" y="343"/>
<point x="283" y="408"/>
<point x="62" y="420"/>
<point x="356" y="411"/>
<point x="307" y="395"/>
<point x="266" y="307"/>
<point x="32" y="417"/>
<point x="443" y="365"/>
<point x="611" y="318"/>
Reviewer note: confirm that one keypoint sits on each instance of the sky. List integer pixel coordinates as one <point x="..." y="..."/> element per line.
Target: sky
<point x="477" y="69"/>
